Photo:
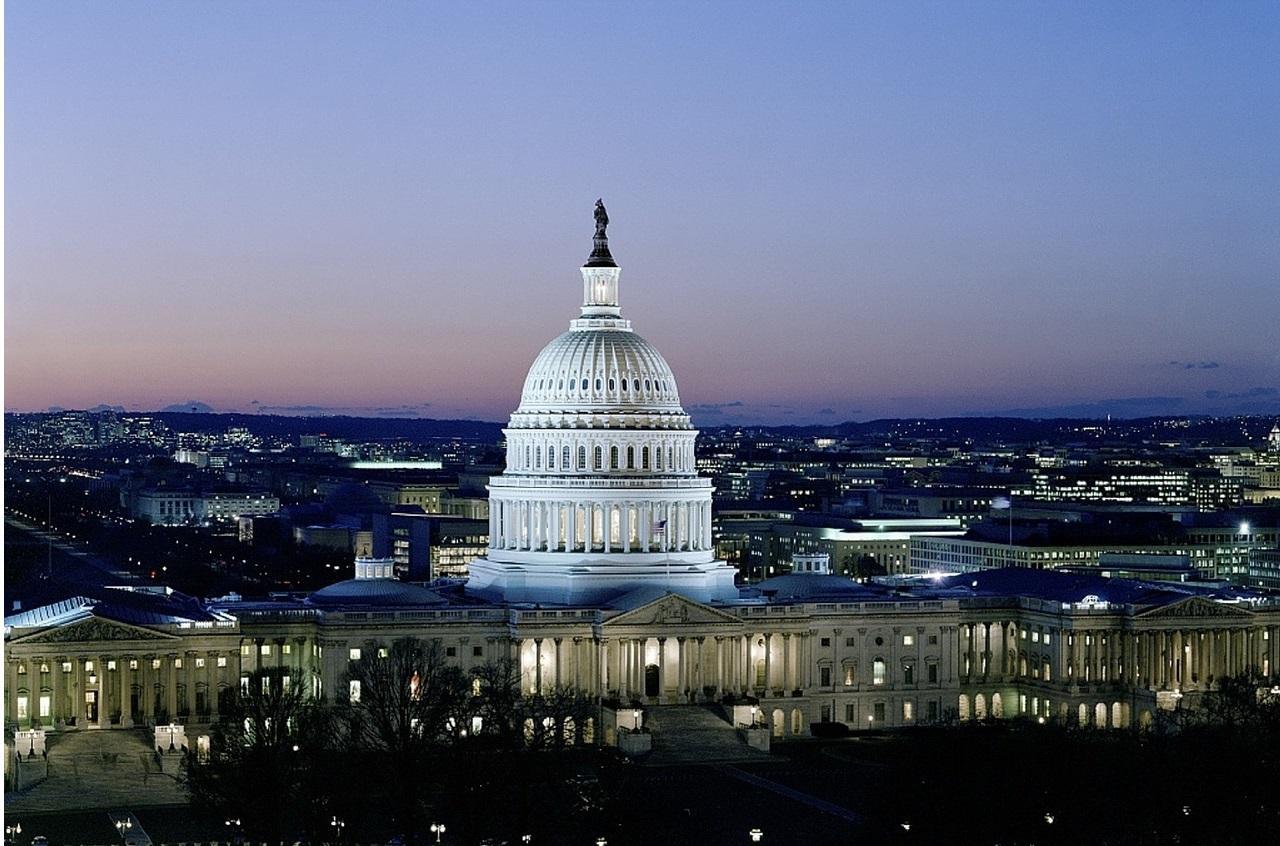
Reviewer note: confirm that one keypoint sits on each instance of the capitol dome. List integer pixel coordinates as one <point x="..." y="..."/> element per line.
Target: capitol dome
<point x="593" y="369"/>
<point x="601" y="493"/>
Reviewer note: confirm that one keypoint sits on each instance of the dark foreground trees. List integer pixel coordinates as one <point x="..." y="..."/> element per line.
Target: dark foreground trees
<point x="409" y="739"/>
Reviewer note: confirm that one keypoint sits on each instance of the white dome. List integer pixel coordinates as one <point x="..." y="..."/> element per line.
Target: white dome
<point x="588" y="370"/>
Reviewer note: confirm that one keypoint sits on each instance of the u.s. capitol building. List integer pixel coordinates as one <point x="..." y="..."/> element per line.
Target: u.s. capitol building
<point x="601" y="576"/>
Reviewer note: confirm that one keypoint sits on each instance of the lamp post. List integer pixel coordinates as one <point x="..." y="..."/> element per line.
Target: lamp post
<point x="11" y="832"/>
<point x="437" y="829"/>
<point x="338" y="826"/>
<point x="123" y="826"/>
<point x="756" y="835"/>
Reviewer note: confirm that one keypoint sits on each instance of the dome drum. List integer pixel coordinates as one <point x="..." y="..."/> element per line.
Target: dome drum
<point x="628" y="452"/>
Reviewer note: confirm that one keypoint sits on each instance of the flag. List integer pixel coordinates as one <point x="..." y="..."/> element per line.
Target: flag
<point x="660" y="527"/>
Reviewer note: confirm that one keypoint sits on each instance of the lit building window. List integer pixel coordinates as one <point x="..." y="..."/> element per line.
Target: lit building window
<point x="66" y="666"/>
<point x="287" y="649"/>
<point x="353" y="693"/>
<point x="354" y="653"/>
<point x="222" y="660"/>
<point x="908" y="640"/>
<point x="155" y="663"/>
<point x="199" y="663"/>
<point x="877" y="671"/>
<point x="177" y="663"/>
<point x="88" y="666"/>
<point x="908" y="711"/>
<point x="246" y="650"/>
<point x="133" y="665"/>
<point x="265" y="649"/>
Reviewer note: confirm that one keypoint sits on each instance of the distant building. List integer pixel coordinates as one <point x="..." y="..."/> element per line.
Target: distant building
<point x="188" y="506"/>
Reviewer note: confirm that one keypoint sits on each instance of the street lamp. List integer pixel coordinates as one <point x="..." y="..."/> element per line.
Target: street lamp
<point x="756" y="835"/>
<point x="123" y="826"/>
<point x="11" y="832"/>
<point x="338" y="826"/>
<point x="600" y="841"/>
<point x="1048" y="817"/>
<point x="437" y="829"/>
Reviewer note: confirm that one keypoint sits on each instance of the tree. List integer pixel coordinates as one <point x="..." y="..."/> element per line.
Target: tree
<point x="406" y="705"/>
<point x="266" y="740"/>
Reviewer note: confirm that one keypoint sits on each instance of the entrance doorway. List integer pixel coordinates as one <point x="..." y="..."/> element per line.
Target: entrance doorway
<point x="651" y="680"/>
<point x="91" y="706"/>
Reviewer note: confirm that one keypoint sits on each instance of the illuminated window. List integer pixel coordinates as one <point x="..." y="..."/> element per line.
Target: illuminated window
<point x="66" y="666"/>
<point x="133" y="665"/>
<point x="382" y="652"/>
<point x="848" y="676"/>
<point x="285" y="683"/>
<point x="908" y="711"/>
<point x="354" y="653"/>
<point x="22" y="669"/>
<point x="88" y="666"/>
<point x="155" y="663"/>
<point x="353" y="691"/>
<point x="23" y="708"/>
<point x="908" y="640"/>
<point x="177" y="663"/>
<point x="199" y="663"/>
<point x="287" y="649"/>
<point x="222" y="661"/>
<point x="877" y="671"/>
<point x="265" y="649"/>
<point x="46" y="705"/>
<point x="246" y="650"/>
<point x="244" y="685"/>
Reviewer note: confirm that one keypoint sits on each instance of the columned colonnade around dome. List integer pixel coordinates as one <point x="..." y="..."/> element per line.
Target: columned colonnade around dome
<point x="588" y="525"/>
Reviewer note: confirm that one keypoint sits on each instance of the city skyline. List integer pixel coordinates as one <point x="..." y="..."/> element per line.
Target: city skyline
<point x="1053" y="215"/>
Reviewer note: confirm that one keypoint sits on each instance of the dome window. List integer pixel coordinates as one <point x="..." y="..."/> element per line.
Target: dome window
<point x="612" y="385"/>
<point x="584" y="384"/>
<point x="597" y="383"/>
<point x="551" y="458"/>
<point x="631" y="458"/>
<point x="624" y="386"/>
<point x="582" y="457"/>
<point x="613" y="458"/>
<point x="647" y="386"/>
<point x="564" y="456"/>
<point x="644" y="458"/>
<point x="562" y="384"/>
<point x="635" y="385"/>
<point x="599" y="458"/>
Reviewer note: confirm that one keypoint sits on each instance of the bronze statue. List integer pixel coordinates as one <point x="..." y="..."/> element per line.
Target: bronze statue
<point x="602" y="219"/>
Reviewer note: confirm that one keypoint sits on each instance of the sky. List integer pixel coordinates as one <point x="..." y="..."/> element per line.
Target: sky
<point x="823" y="212"/>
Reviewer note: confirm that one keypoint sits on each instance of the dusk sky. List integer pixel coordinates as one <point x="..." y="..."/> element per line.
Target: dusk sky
<point x="822" y="211"/>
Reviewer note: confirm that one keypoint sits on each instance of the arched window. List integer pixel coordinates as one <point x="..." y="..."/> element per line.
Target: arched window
<point x="584" y="384"/>
<point x="671" y="458"/>
<point x="564" y="456"/>
<point x="582" y="458"/>
<point x="613" y="458"/>
<point x="624" y="385"/>
<point x="635" y="385"/>
<point x="599" y="458"/>
<point x="631" y="458"/>
<point x="658" y="456"/>
<point x="537" y="458"/>
<point x="612" y="384"/>
<point x="597" y="383"/>
<point x="528" y="456"/>
<point x="648" y="385"/>
<point x="644" y="458"/>
<point x="551" y="458"/>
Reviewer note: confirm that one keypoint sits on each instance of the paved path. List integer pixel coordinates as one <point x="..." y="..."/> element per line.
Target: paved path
<point x="98" y="769"/>
<point x="791" y="793"/>
<point x="691" y="734"/>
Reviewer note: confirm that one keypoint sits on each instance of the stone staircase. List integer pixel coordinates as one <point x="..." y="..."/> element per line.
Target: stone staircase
<point x="98" y="769"/>
<point x="693" y="734"/>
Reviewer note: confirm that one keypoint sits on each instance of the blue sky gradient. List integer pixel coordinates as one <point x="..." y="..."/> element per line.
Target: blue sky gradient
<point x="822" y="211"/>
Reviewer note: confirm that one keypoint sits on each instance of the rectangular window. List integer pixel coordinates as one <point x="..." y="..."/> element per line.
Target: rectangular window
<point x="933" y="673"/>
<point x="199" y="663"/>
<point x="850" y="712"/>
<point x="354" y="653"/>
<point x="1046" y="638"/>
<point x="353" y="692"/>
<point x="265" y="649"/>
<point x="908" y="640"/>
<point x="155" y="663"/>
<point x="287" y="649"/>
<point x="909" y="674"/>
<point x="824" y="676"/>
<point x="88" y="666"/>
<point x="246" y="650"/>
<point x="133" y="665"/>
<point x="879" y="712"/>
<point x="66" y="666"/>
<point x="451" y="651"/>
<point x="22" y="708"/>
<point x="849" y="641"/>
<point x="111" y="665"/>
<point x="285" y="683"/>
<point x="877" y="672"/>
<point x="382" y="652"/>
<point x="933" y="640"/>
<point x="244" y="685"/>
<point x="222" y="660"/>
<point x="826" y="641"/>
<point x="46" y="705"/>
<point x="908" y="711"/>
<point x="266" y="684"/>
<point x="477" y="651"/>
<point x="177" y="663"/>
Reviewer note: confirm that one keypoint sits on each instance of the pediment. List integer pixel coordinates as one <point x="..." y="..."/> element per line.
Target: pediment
<point x="92" y="630"/>
<point x="1197" y="606"/>
<point x="672" y="610"/>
